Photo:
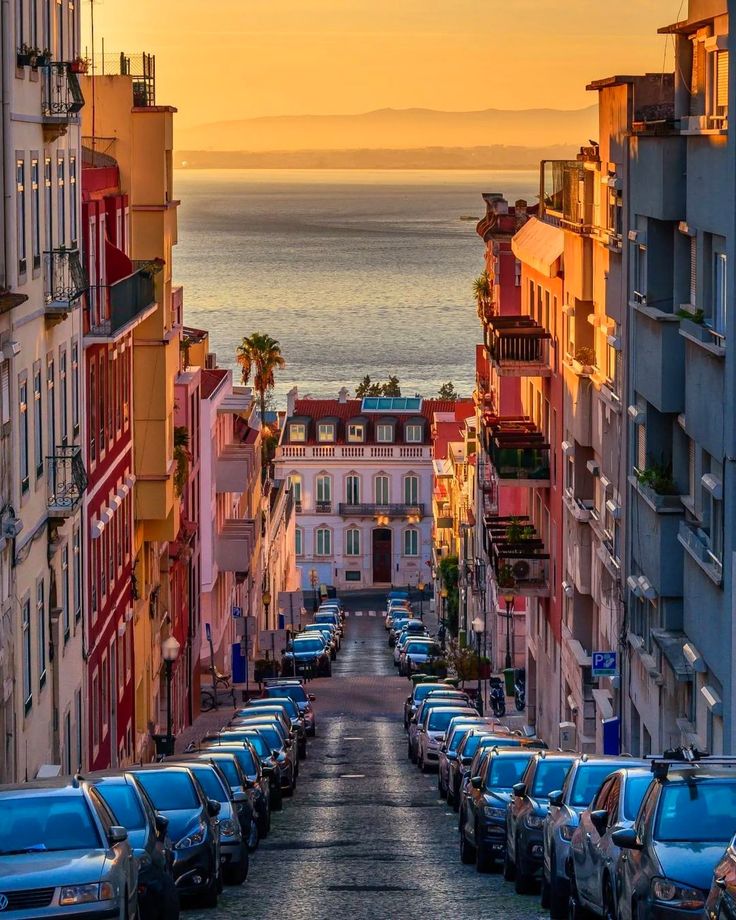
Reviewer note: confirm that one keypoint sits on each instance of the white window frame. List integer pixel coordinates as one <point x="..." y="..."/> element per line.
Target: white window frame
<point x="326" y="432"/>
<point x="385" y="433"/>
<point x="413" y="433"/>
<point x="356" y="434"/>
<point x="296" y="486"/>
<point x="411" y="542"/>
<point x="352" y="495"/>
<point x="299" y="541"/>
<point x="352" y="541"/>
<point x="382" y="499"/>
<point x="297" y="432"/>
<point x="411" y="495"/>
<point x="27" y="654"/>
<point x="323" y="542"/>
<point x="323" y="488"/>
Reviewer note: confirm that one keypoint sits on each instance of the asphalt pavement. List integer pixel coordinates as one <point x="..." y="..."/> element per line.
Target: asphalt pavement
<point x="366" y="835"/>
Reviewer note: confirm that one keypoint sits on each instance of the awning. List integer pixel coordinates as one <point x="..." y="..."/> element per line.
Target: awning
<point x="540" y="246"/>
<point x="672" y="645"/>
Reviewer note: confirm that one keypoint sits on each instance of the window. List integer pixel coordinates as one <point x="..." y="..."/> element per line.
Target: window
<point x="323" y="542"/>
<point x="41" y="624"/>
<point x="414" y="434"/>
<point x="719" y="294"/>
<point x="26" y="625"/>
<point x="61" y="199"/>
<point x="411" y="542"/>
<point x="640" y="274"/>
<point x="297" y="432"/>
<point x="324" y="489"/>
<point x="296" y="487"/>
<point x="75" y="387"/>
<point x="356" y="434"/>
<point x="64" y="397"/>
<point x="382" y="490"/>
<point x="78" y="720"/>
<point x="352" y="489"/>
<point x="35" y="213"/>
<point x="92" y="413"/>
<point x="50" y="403"/>
<point x="73" y="219"/>
<point x="299" y="541"/>
<point x="48" y="215"/>
<point x="325" y="432"/>
<point x="65" y="613"/>
<point x="384" y="433"/>
<point x="77" y="579"/>
<point x="37" y="422"/>
<point x="352" y="541"/>
<point x="20" y="202"/>
<point x="23" y="408"/>
<point x="411" y="490"/>
<point x="4" y="392"/>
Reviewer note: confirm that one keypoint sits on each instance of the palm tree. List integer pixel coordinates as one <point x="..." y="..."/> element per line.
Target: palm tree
<point x="482" y="291"/>
<point x="258" y="356"/>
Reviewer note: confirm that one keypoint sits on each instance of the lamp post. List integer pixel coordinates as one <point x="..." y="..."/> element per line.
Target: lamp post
<point x="509" y="601"/>
<point x="266" y="598"/>
<point x="314" y="581"/>
<point x="477" y="625"/>
<point x="420" y="589"/>
<point x="169" y="652"/>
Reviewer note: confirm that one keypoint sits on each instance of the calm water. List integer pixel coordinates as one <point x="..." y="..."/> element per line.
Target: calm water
<point x="354" y="272"/>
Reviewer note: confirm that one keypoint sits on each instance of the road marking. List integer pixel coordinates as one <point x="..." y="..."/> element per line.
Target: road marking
<point x="352" y="738"/>
<point x="352" y="776"/>
<point x="371" y="613"/>
<point x="358" y="613"/>
<point x="347" y="613"/>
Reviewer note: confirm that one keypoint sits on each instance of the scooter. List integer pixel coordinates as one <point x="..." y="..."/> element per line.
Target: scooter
<point x="520" y="690"/>
<point x="498" y="697"/>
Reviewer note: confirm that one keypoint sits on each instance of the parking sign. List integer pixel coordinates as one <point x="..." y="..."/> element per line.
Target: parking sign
<point x="605" y="664"/>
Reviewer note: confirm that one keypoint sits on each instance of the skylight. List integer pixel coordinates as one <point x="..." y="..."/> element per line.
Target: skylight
<point x="391" y="404"/>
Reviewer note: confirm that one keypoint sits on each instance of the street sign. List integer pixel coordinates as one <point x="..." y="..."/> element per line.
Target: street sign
<point x="208" y="632"/>
<point x="605" y="664"/>
<point x="237" y="613"/>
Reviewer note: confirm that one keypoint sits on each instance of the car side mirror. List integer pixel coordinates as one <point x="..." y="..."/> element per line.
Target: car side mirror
<point x="599" y="820"/>
<point x="239" y="797"/>
<point x="476" y="782"/>
<point x="519" y="789"/>
<point x="626" y="838"/>
<point x="555" y="798"/>
<point x="162" y="825"/>
<point x="311" y="697"/>
<point x="213" y="808"/>
<point x="117" y="834"/>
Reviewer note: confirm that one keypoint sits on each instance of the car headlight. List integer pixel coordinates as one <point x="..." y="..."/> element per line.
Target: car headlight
<point x="566" y="831"/>
<point x="681" y="895"/>
<point x="193" y="839"/>
<point x="84" y="894"/>
<point x="229" y="828"/>
<point x="534" y="821"/>
<point x="493" y="811"/>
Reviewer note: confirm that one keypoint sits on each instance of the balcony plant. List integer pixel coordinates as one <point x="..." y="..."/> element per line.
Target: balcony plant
<point x="43" y="58"/>
<point x="658" y="478"/>
<point x="182" y="458"/>
<point x="79" y="65"/>
<point x="505" y="577"/>
<point x="585" y="356"/>
<point x="27" y="55"/>
<point x="694" y="316"/>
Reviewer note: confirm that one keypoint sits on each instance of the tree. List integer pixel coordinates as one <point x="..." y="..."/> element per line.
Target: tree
<point x="363" y="388"/>
<point x="449" y="574"/>
<point x="482" y="291"/>
<point x="391" y="387"/>
<point x="368" y="387"/>
<point x="259" y="356"/>
<point x="448" y="391"/>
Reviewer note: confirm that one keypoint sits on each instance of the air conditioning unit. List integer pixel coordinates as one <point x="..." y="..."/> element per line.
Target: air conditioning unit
<point x="11" y="527"/>
<point x="593" y="468"/>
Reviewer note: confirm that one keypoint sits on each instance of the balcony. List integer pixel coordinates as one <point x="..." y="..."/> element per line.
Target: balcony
<point x="518" y="452"/>
<point x="130" y="299"/>
<point x="62" y="99"/>
<point x="518" y="346"/>
<point x="578" y="545"/>
<point x="517" y="554"/>
<point x="234" y="545"/>
<point x="659" y="358"/>
<point x="64" y="281"/>
<point x="353" y="452"/>
<point x="696" y="543"/>
<point x="234" y="468"/>
<point x="323" y="507"/>
<point x="67" y="481"/>
<point x="658" y="556"/>
<point x="371" y="510"/>
<point x="567" y="192"/>
<point x="141" y="67"/>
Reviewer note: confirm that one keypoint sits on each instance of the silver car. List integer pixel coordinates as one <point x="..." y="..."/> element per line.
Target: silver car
<point x="62" y="854"/>
<point x="432" y="733"/>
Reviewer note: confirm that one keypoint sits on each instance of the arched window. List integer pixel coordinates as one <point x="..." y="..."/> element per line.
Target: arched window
<point x="324" y="489"/>
<point x="352" y="489"/>
<point x="411" y="542"/>
<point x="411" y="489"/>
<point x="299" y="541"/>
<point x="352" y="541"/>
<point x="296" y="487"/>
<point x="383" y="492"/>
<point x="323" y="541"/>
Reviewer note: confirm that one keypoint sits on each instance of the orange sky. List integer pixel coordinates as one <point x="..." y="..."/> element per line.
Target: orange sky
<point x="228" y="59"/>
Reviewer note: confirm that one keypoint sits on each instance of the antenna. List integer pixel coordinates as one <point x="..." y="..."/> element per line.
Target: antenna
<point x="92" y="36"/>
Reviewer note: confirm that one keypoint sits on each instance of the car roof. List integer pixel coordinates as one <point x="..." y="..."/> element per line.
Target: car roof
<point x="47" y="786"/>
<point x="140" y="767"/>
<point x="698" y="772"/>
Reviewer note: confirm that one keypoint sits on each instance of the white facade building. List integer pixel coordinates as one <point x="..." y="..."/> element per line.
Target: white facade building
<point x="361" y="474"/>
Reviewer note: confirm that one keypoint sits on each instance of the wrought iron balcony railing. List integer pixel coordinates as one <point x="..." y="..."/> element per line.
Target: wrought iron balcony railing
<point x="62" y="94"/>
<point x="518" y="346"/>
<point x="64" y="280"/>
<point x="348" y="509"/>
<point x="67" y="481"/>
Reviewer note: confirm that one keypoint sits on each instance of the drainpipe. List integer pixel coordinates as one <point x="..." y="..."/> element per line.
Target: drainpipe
<point x="729" y="466"/>
<point x="6" y="171"/>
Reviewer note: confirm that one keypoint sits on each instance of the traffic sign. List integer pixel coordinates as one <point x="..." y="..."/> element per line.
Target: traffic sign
<point x="237" y="613"/>
<point x="605" y="664"/>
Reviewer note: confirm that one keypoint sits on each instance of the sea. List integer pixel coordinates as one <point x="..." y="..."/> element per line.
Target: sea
<point x="354" y="272"/>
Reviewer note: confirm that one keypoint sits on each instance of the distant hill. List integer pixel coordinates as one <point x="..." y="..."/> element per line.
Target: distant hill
<point x="491" y="157"/>
<point x="396" y="129"/>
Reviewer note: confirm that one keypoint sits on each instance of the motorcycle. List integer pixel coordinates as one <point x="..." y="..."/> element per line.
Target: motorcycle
<point x="498" y="697"/>
<point x="520" y="690"/>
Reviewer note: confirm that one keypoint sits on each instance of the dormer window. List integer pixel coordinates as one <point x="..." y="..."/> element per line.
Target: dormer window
<point x="356" y="434"/>
<point x="384" y="433"/>
<point x="297" y="432"/>
<point x="414" y="434"/>
<point x="325" y="432"/>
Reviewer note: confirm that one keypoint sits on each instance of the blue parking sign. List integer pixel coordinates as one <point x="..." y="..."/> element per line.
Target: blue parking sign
<point x="605" y="664"/>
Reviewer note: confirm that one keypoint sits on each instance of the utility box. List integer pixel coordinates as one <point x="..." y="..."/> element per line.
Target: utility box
<point x="568" y="736"/>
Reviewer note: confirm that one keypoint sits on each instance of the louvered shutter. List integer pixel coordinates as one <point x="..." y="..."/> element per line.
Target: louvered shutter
<point x="722" y="82"/>
<point x="4" y="392"/>
<point x="641" y="447"/>
<point x="693" y="270"/>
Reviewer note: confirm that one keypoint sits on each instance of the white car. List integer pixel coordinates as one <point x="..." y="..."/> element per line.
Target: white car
<point x="433" y="734"/>
<point x="402" y="608"/>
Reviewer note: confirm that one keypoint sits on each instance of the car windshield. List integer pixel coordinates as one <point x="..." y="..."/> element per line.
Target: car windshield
<point x="295" y="692"/>
<point x="169" y="790"/>
<point x="697" y="811"/>
<point x="636" y="786"/>
<point x="46" y="823"/>
<point x="588" y="779"/>
<point x="271" y="737"/>
<point x="422" y="648"/>
<point x="439" y="719"/>
<point x="230" y="771"/>
<point x="124" y="804"/>
<point x="245" y="759"/>
<point x="211" y="783"/>
<point x="549" y="775"/>
<point x="471" y="745"/>
<point x="505" y="772"/>
<point x="260" y="744"/>
<point x="308" y="645"/>
<point x="457" y="736"/>
<point x="422" y="691"/>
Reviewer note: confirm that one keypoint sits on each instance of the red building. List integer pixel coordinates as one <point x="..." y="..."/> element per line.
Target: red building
<point x="120" y="296"/>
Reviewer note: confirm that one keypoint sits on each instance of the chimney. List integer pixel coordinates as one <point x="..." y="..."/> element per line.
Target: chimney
<point x="343" y="395"/>
<point x="291" y="398"/>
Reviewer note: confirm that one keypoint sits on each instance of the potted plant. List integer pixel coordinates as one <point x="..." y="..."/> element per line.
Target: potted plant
<point x="585" y="356"/>
<point x="658" y="477"/>
<point x="514" y="531"/>
<point x="528" y="532"/>
<point x="79" y="65"/>
<point x="506" y="578"/>
<point x="43" y="58"/>
<point x="26" y="55"/>
<point x="265" y="667"/>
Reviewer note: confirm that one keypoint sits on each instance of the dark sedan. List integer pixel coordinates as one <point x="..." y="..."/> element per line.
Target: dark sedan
<point x="294" y="689"/>
<point x="308" y="656"/>
<point x="259" y="776"/>
<point x="291" y="712"/>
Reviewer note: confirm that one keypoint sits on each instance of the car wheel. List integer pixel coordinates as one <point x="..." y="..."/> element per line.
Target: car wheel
<point x="169" y="900"/>
<point x="456" y="798"/>
<point x="209" y="898"/>
<point x="254" y="836"/>
<point x="544" y="895"/>
<point x="467" y="851"/>
<point x="522" y="881"/>
<point x="558" y="897"/>
<point x="277" y="803"/>
<point x="484" y="861"/>
<point x="610" y="911"/>
<point x="509" y="869"/>
<point x="237" y="874"/>
<point x="575" y="911"/>
<point x="264" y="821"/>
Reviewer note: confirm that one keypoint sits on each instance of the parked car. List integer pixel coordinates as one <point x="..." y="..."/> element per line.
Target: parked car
<point x="545" y="773"/>
<point x="593" y="859"/>
<point x="405" y="636"/>
<point x="147" y="830"/>
<point x="431" y="733"/>
<point x="721" y="903"/>
<point x="686" y="820"/>
<point x="308" y="654"/>
<point x="565" y="806"/>
<point x="277" y="752"/>
<point x="331" y="616"/>
<point x="472" y="742"/>
<point x="281" y="740"/>
<point x="417" y="654"/>
<point x="456" y="700"/>
<point x="396" y="627"/>
<point x="63" y="853"/>
<point x="483" y="814"/>
<point x="292" y="712"/>
<point x="454" y="734"/>
<point x="258" y="775"/>
<point x="419" y="694"/>
<point x="331" y="635"/>
<point x="396" y="608"/>
<point x="294" y="689"/>
<point x="179" y="796"/>
<point x="234" y="859"/>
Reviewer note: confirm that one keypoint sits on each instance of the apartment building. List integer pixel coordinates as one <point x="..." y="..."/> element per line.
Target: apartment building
<point x="42" y="392"/>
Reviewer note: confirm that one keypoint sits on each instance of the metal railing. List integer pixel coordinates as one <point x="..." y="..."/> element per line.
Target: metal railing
<point x="128" y="298"/>
<point x="67" y="480"/>
<point x="323" y="507"/>
<point x="62" y="94"/>
<point x="372" y="510"/>
<point x="64" y="278"/>
<point x="519" y="346"/>
<point x="140" y="67"/>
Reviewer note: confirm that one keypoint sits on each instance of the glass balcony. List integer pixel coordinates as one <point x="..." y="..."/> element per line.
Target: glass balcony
<point x="129" y="299"/>
<point x="518" y="346"/>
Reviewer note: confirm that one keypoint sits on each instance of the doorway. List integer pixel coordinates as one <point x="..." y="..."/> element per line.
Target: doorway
<point x="382" y="556"/>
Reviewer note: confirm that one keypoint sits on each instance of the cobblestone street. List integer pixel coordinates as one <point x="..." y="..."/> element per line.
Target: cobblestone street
<point x="365" y="835"/>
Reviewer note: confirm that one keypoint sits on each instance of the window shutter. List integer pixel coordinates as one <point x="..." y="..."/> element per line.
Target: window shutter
<point x="693" y="270"/>
<point x="722" y="81"/>
<point x="691" y="468"/>
<point x="641" y="447"/>
<point x="4" y="392"/>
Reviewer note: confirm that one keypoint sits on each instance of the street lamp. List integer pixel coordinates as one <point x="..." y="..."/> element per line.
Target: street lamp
<point x="314" y="581"/>
<point x="477" y="625"/>
<point x="169" y="652"/>
<point x="420" y="589"/>
<point x="509" y="601"/>
<point x="266" y="598"/>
